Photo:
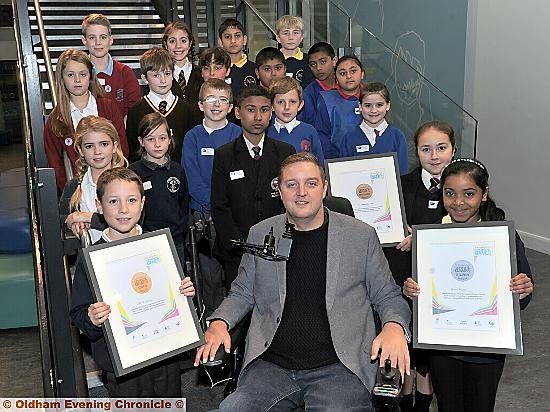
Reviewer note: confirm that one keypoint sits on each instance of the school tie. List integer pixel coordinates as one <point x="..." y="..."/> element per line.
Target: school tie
<point x="256" y="151"/>
<point x="283" y="131"/>
<point x="376" y="134"/>
<point x="434" y="185"/>
<point x="163" y="105"/>
<point x="181" y="81"/>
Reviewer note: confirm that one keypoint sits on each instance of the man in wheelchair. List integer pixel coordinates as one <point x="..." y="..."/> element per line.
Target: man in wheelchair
<point x="312" y="339"/>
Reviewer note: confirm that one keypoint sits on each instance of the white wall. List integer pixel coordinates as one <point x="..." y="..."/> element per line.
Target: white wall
<point x="507" y="87"/>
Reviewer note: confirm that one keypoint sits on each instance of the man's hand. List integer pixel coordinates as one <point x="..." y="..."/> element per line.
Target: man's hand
<point x="394" y="346"/>
<point x="216" y="335"/>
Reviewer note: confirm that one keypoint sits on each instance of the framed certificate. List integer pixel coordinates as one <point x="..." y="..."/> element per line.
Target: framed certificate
<point x="150" y="320"/>
<point x="373" y="186"/>
<point x="464" y="273"/>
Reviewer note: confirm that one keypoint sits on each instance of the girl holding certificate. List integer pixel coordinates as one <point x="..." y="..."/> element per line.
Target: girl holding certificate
<point x="435" y="148"/>
<point x="469" y="381"/>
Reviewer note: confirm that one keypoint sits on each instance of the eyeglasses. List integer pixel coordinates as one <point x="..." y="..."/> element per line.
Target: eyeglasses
<point x="213" y="100"/>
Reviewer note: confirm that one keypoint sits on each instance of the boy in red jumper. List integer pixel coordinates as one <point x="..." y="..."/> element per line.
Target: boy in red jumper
<point x="118" y="80"/>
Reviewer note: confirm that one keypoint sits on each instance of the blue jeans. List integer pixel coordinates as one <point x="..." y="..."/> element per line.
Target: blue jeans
<point x="264" y="386"/>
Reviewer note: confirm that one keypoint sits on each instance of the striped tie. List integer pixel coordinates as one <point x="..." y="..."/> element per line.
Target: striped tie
<point x="434" y="185"/>
<point x="256" y="151"/>
<point x="181" y="81"/>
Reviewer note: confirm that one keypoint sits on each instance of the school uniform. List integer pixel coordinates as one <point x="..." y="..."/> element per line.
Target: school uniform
<point x="166" y="199"/>
<point x="243" y="74"/>
<point x="297" y="67"/>
<point x="190" y="92"/>
<point x="87" y="203"/>
<point x="55" y="145"/>
<point x="244" y="192"/>
<point x="120" y="84"/>
<point x="385" y="138"/>
<point x="311" y="97"/>
<point x="336" y="113"/>
<point x="301" y="135"/>
<point x="197" y="159"/>
<point x="159" y="380"/>
<point x="468" y="380"/>
<point x="178" y="115"/>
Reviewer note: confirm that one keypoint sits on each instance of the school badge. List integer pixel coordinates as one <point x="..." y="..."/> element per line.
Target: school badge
<point x="300" y="75"/>
<point x="108" y="88"/>
<point x="249" y="81"/>
<point x="173" y="184"/>
<point x="68" y="141"/>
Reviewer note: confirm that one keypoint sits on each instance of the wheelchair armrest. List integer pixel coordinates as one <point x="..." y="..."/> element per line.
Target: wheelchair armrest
<point x="237" y="334"/>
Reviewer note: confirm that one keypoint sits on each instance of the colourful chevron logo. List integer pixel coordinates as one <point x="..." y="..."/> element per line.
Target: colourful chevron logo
<point x="129" y="325"/>
<point x="437" y="307"/>
<point x="492" y="307"/>
<point x="172" y="312"/>
<point x="386" y="216"/>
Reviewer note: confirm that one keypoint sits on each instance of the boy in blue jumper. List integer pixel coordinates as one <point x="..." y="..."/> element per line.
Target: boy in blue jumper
<point x="287" y="100"/>
<point x="321" y="60"/>
<point x="374" y="135"/>
<point x="215" y="99"/>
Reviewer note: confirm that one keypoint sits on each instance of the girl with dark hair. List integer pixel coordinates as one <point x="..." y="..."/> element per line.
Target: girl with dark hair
<point x="164" y="181"/>
<point x="465" y="381"/>
<point x="338" y="109"/>
<point x="435" y="148"/>
<point x="180" y="43"/>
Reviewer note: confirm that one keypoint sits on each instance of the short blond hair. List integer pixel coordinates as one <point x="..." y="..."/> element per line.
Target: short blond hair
<point x="95" y="18"/>
<point x="284" y="86"/>
<point x="289" y="22"/>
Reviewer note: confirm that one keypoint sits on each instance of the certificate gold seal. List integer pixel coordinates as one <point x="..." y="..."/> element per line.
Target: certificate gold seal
<point x="363" y="191"/>
<point x="141" y="282"/>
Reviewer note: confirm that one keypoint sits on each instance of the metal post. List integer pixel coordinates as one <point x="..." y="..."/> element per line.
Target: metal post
<point x="282" y="8"/>
<point x="210" y="23"/>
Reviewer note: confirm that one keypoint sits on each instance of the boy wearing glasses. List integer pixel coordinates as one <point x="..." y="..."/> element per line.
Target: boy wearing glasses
<point x="215" y="101"/>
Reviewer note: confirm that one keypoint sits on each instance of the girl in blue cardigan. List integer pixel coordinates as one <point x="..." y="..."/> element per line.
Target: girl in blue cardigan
<point x="374" y="135"/>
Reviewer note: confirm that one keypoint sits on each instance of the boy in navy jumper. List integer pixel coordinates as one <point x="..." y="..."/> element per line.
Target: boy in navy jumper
<point x="215" y="101"/>
<point x="232" y="38"/>
<point x="321" y="60"/>
<point x="156" y="69"/>
<point x="286" y="98"/>
<point x="118" y="80"/>
<point x="270" y="66"/>
<point x="374" y="135"/>
<point x="290" y="33"/>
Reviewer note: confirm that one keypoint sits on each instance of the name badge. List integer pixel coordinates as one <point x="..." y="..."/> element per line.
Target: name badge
<point x="290" y="74"/>
<point x="147" y="185"/>
<point x="237" y="174"/>
<point x="228" y="80"/>
<point x="362" y="148"/>
<point x="432" y="204"/>
<point x="357" y="110"/>
<point x="101" y="81"/>
<point x="207" y="151"/>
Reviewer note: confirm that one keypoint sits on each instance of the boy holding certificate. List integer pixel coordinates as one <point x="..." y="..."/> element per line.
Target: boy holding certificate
<point x="120" y="198"/>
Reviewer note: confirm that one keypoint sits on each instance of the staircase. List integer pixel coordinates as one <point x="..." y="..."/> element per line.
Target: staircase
<point x="135" y="26"/>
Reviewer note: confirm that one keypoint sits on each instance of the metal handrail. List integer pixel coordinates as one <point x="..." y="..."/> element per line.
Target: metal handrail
<point x="50" y="75"/>
<point x="259" y="16"/>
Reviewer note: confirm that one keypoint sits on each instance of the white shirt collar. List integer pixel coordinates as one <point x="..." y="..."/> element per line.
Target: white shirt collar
<point x="250" y="146"/>
<point x="155" y="99"/>
<point x="369" y="131"/>
<point x="89" y="110"/>
<point x="426" y="176"/>
<point x="186" y="68"/>
<point x="289" y="126"/>
<point x="210" y="130"/>
<point x="105" y="235"/>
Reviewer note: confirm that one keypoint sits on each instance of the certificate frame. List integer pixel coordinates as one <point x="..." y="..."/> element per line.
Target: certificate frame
<point x="115" y="274"/>
<point x="355" y="177"/>
<point x="464" y="311"/>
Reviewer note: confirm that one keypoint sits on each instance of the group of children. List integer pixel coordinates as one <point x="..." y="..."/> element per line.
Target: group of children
<point x="186" y="158"/>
